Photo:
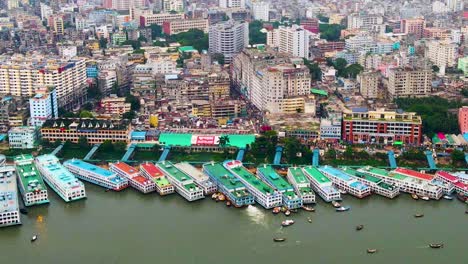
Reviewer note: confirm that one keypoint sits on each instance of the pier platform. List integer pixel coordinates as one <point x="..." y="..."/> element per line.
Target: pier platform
<point x="91" y="152"/>
<point x="391" y="159"/>
<point x="129" y="152"/>
<point x="430" y="160"/>
<point x="278" y="154"/>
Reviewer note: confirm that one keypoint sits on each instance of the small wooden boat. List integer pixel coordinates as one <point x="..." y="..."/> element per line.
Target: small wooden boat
<point x="461" y="197"/>
<point x="448" y="197"/>
<point x="336" y="204"/>
<point x="279" y="239"/>
<point x="221" y="197"/>
<point x="107" y="190"/>
<point x="23" y="211"/>
<point x="309" y="220"/>
<point x="343" y="209"/>
<point x="33" y="238"/>
<point x="287" y="213"/>
<point x="359" y="227"/>
<point x="308" y="208"/>
<point x="418" y="215"/>
<point x="414" y="196"/>
<point x="276" y="210"/>
<point x="436" y="245"/>
<point x="287" y="222"/>
<point x="371" y="250"/>
<point x="228" y="203"/>
<point x="425" y="198"/>
<point x="214" y="196"/>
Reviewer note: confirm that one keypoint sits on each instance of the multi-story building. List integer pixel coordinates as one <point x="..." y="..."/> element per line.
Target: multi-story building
<point x="21" y="76"/>
<point x="95" y="130"/>
<point x="149" y="19"/>
<point x="184" y="25"/>
<point x="330" y="128"/>
<point x="404" y="82"/>
<point x="463" y="65"/>
<point x="463" y="119"/>
<point x="442" y="53"/>
<point x="455" y="5"/>
<point x="261" y="10"/>
<point x="330" y="46"/>
<point x="218" y="108"/>
<point x="232" y="3"/>
<point x="369" y="84"/>
<point x="23" y="137"/>
<point x="381" y="126"/>
<point x="311" y="24"/>
<point x="114" y="105"/>
<point x="228" y="38"/>
<point x="438" y="33"/>
<point x="43" y="106"/>
<point x="293" y="40"/>
<point x="361" y="43"/>
<point x="57" y="24"/>
<point x="173" y="5"/>
<point x="413" y="26"/>
<point x="364" y="21"/>
<point x="12" y="4"/>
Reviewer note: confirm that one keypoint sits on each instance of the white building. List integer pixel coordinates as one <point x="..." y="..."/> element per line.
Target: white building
<point x="24" y="137"/>
<point x="293" y="40"/>
<point x="173" y="5"/>
<point x="46" y="11"/>
<point x="261" y="11"/>
<point x="364" y="21"/>
<point x="43" y="106"/>
<point x="12" y="4"/>
<point x="361" y="43"/>
<point x="369" y="84"/>
<point x="439" y="7"/>
<point x="442" y="53"/>
<point x="330" y="128"/>
<point x="455" y="5"/>
<point x="228" y="38"/>
<point x="232" y="3"/>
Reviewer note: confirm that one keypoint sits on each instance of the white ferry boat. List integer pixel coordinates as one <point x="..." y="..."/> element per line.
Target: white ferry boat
<point x="346" y="182"/>
<point x="184" y="185"/>
<point x="95" y="174"/>
<point x="9" y="213"/>
<point x="150" y="171"/>
<point x="133" y="176"/>
<point x="201" y="179"/>
<point x="321" y="184"/>
<point x="30" y="182"/>
<point x="61" y="180"/>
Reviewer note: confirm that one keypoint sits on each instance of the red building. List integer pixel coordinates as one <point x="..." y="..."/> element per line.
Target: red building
<point x="331" y="46"/>
<point x="311" y="25"/>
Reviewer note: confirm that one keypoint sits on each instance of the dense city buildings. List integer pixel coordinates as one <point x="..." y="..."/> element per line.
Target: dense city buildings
<point x="369" y="84"/>
<point x="361" y="125"/>
<point x="293" y="40"/>
<point x="115" y="106"/>
<point x="184" y="25"/>
<point x="23" y="137"/>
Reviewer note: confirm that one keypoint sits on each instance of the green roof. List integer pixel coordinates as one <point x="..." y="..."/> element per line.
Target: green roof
<point x="177" y="174"/>
<point x="187" y="49"/>
<point x="161" y="181"/>
<point x="317" y="175"/>
<point x="361" y="175"/>
<point x="145" y="145"/>
<point x="175" y="139"/>
<point x="225" y="177"/>
<point x="240" y="141"/>
<point x="319" y="92"/>
<point x="29" y="175"/>
<point x="274" y="178"/>
<point x="255" y="182"/>
<point x="298" y="175"/>
<point x="384" y="173"/>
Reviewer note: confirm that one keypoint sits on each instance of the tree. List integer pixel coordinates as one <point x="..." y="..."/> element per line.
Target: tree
<point x="224" y="141"/>
<point x="194" y="37"/>
<point x="323" y="18"/>
<point x="156" y="31"/>
<point x="464" y="92"/>
<point x="83" y="142"/>
<point x="457" y="156"/>
<point x="142" y="39"/>
<point x="348" y="153"/>
<point x="136" y="45"/>
<point x="88" y="106"/>
<point x="314" y="69"/>
<point x="435" y="68"/>
<point x="119" y="146"/>
<point x="134" y="102"/>
<point x="255" y="35"/>
<point x="353" y="70"/>
<point x="106" y="146"/>
<point x="219" y="57"/>
<point x="129" y="115"/>
<point x="86" y="114"/>
<point x="330" y="32"/>
<point x="103" y="43"/>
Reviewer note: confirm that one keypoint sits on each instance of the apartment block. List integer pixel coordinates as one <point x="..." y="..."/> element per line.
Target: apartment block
<point x="115" y="106"/>
<point x="23" y="137"/>
<point x="43" y="106"/>
<point x="442" y="53"/>
<point x="159" y="19"/>
<point x="405" y="82"/>
<point x="413" y="26"/>
<point x="369" y="84"/>
<point x="228" y="38"/>
<point x="293" y="40"/>
<point x="178" y="26"/>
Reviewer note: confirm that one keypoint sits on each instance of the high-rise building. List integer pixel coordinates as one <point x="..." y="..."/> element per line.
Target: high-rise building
<point x="404" y="82"/>
<point x="293" y="40"/>
<point x="23" y="137"/>
<point x="369" y="84"/>
<point x="261" y="11"/>
<point x="43" y="106"/>
<point x="173" y="5"/>
<point x="463" y="119"/>
<point x="57" y="24"/>
<point x="22" y="75"/>
<point x="455" y="5"/>
<point x="364" y="21"/>
<point x="413" y="26"/>
<point x="228" y="38"/>
<point x="442" y="53"/>
<point x="12" y="4"/>
<point x="271" y="80"/>
<point x="232" y="3"/>
<point x="381" y="126"/>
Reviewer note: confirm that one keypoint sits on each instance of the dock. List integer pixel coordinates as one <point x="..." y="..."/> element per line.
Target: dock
<point x="201" y="179"/>
<point x="377" y="185"/>
<point x="9" y="214"/>
<point x="151" y="172"/>
<point x="96" y="175"/>
<point x="60" y="179"/>
<point x="184" y="185"/>
<point x="133" y="176"/>
<point x="346" y="182"/>
<point x="321" y="184"/>
<point x="263" y="193"/>
<point x="30" y="183"/>
<point x="291" y="200"/>
<point x="228" y="184"/>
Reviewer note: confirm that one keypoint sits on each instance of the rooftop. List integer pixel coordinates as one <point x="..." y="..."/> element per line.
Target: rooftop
<point x="63" y="177"/>
<point x="447" y="176"/>
<point x="275" y="179"/>
<point x="255" y="182"/>
<point x="414" y="174"/>
<point x="151" y="169"/>
<point x="298" y="175"/>
<point x="29" y="175"/>
<point x="224" y="176"/>
<point x="193" y="172"/>
<point x="180" y="176"/>
<point x="317" y="175"/>
<point x="124" y="167"/>
<point x="86" y="124"/>
<point x="361" y="175"/>
<point x="8" y="191"/>
<point x="94" y="169"/>
<point x="345" y="177"/>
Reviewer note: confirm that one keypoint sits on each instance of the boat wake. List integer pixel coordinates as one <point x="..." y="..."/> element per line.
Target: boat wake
<point x="256" y="215"/>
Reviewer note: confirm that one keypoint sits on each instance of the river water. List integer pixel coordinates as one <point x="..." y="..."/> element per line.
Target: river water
<point x="129" y="227"/>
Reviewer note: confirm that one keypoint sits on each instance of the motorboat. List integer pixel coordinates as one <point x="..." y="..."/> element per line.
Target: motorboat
<point x="279" y="239"/>
<point x="276" y="210"/>
<point x="342" y="191"/>
<point x="419" y="215"/>
<point x="414" y="196"/>
<point x="343" y="209"/>
<point x="336" y="204"/>
<point x="371" y="250"/>
<point x="308" y="208"/>
<point x="448" y="197"/>
<point x="359" y="227"/>
<point x="436" y="245"/>
<point x="287" y="222"/>
<point x="33" y="238"/>
<point x="287" y="213"/>
<point x="425" y="198"/>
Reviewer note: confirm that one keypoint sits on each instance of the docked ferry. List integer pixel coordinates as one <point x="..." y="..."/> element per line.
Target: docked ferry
<point x="449" y="181"/>
<point x="133" y="176"/>
<point x="201" y="179"/>
<point x="263" y="193"/>
<point x="346" y="182"/>
<point x="290" y="199"/>
<point x="301" y="184"/>
<point x="60" y="179"/>
<point x="459" y="181"/>
<point x="321" y="184"/>
<point x="408" y="181"/>
<point x="95" y="174"/>
<point x="9" y="213"/>
<point x="151" y="172"/>
<point x="377" y="185"/>
<point x="228" y="184"/>
<point x="30" y="182"/>
<point x="183" y="184"/>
